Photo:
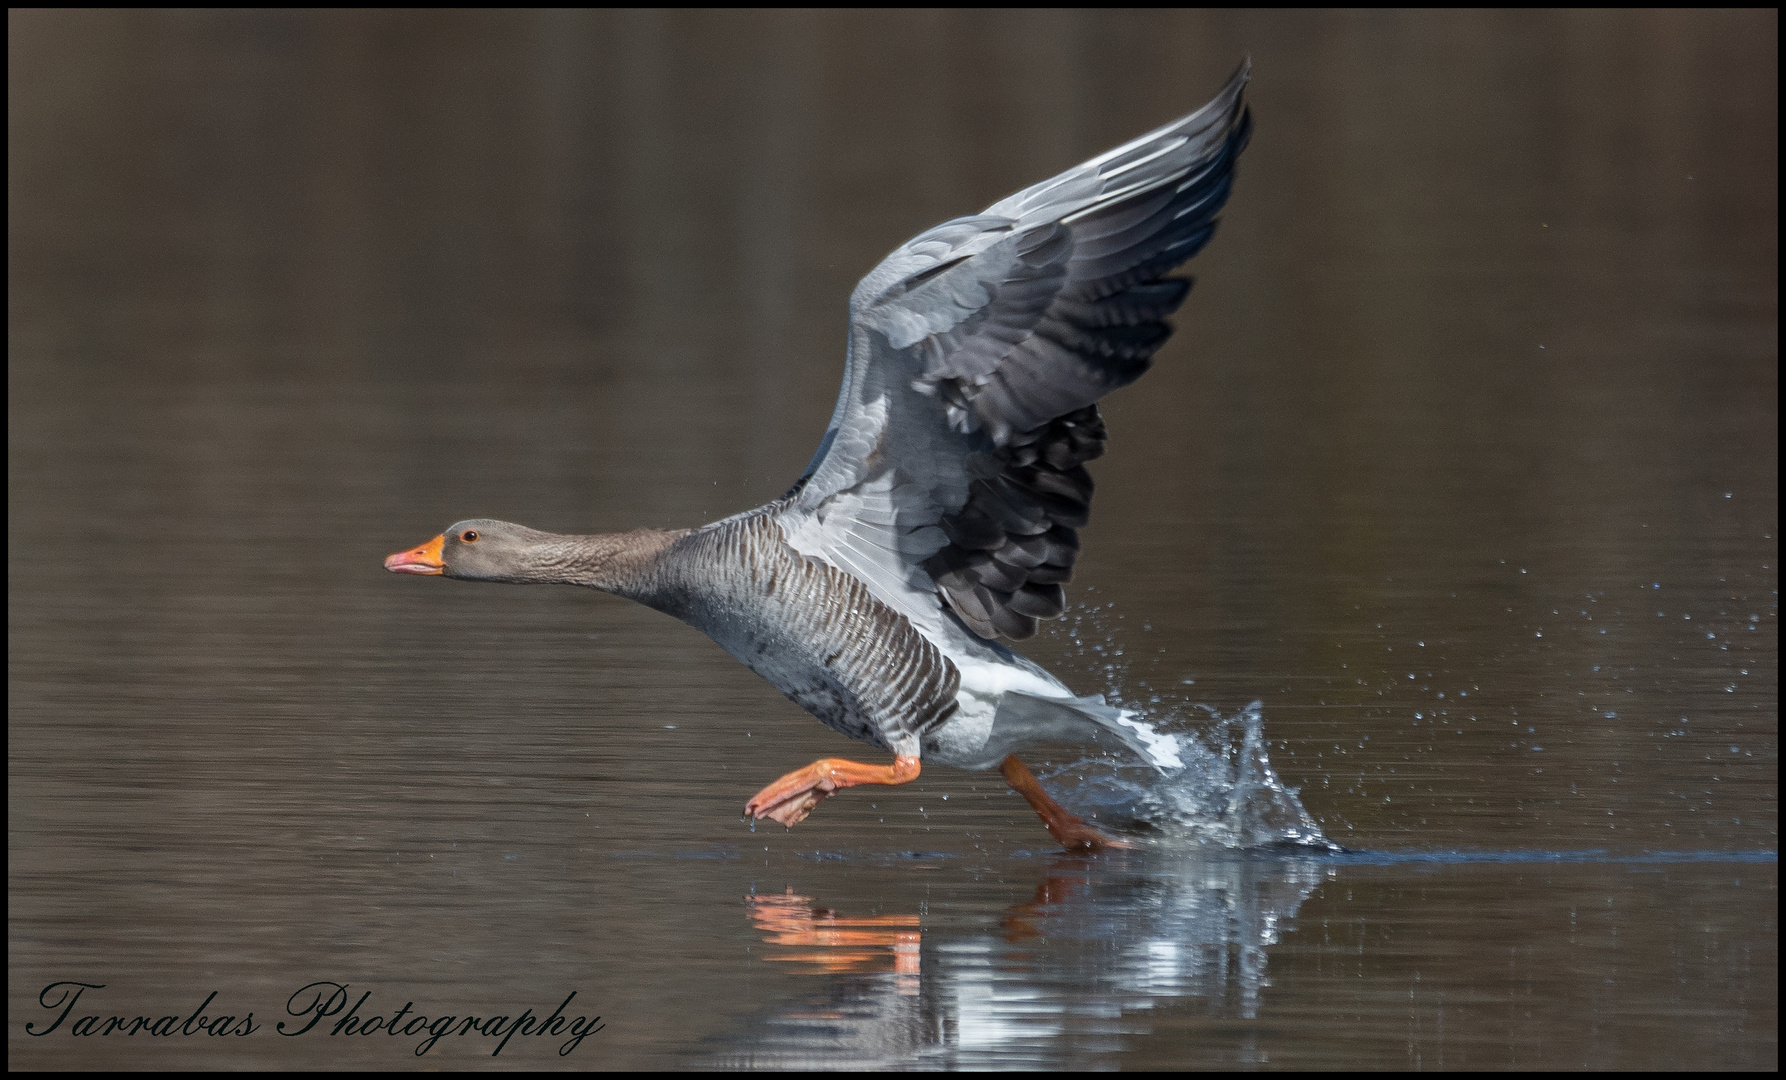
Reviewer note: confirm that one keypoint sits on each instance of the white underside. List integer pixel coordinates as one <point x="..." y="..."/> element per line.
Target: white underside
<point x="1002" y="708"/>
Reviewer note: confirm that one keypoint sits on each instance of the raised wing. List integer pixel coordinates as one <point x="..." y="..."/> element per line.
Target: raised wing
<point x="953" y="471"/>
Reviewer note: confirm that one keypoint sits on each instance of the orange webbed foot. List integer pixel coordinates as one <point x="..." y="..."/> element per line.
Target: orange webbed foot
<point x="1075" y="835"/>
<point x="790" y="799"/>
<point x="1067" y="828"/>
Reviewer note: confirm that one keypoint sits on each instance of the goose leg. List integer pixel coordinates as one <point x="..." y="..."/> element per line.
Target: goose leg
<point x="791" y="798"/>
<point x="1072" y="832"/>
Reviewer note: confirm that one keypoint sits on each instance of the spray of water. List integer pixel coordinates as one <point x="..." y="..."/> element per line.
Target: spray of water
<point x="1225" y="793"/>
<point x="1223" y="790"/>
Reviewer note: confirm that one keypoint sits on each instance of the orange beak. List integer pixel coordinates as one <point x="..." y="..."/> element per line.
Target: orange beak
<point x="423" y="560"/>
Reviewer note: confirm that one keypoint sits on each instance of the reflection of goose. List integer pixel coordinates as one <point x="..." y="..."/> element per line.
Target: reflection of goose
<point x="941" y="510"/>
<point x="1087" y="955"/>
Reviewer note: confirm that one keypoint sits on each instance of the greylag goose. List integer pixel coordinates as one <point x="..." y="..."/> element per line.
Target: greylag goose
<point x="940" y="512"/>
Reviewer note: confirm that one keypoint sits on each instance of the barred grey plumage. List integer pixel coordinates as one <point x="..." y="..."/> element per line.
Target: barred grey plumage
<point x="814" y="632"/>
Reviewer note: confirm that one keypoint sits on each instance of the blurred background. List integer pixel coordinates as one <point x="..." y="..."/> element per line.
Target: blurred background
<point x="1463" y="462"/>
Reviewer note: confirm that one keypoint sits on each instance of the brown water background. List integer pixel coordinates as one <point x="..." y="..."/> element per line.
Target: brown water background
<point x="1463" y="462"/>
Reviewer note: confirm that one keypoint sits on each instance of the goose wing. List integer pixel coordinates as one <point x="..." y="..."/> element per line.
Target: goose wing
<point x="953" y="470"/>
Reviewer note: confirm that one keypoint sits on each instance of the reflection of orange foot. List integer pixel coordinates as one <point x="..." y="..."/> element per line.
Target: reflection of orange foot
<point x="837" y="944"/>
<point x="792" y="797"/>
<point x="1057" y="888"/>
<point x="1071" y="831"/>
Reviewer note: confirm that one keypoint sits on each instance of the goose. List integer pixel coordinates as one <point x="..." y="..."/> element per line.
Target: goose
<point x="939" y="517"/>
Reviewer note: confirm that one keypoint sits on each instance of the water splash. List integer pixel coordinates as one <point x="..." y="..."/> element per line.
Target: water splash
<point x="1225" y="794"/>
<point x="1223" y="791"/>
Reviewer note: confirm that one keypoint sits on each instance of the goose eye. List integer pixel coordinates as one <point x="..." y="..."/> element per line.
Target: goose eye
<point x="470" y="536"/>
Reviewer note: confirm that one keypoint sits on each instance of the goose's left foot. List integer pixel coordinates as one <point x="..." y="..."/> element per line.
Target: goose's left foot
<point x="794" y="796"/>
<point x="1069" y="829"/>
